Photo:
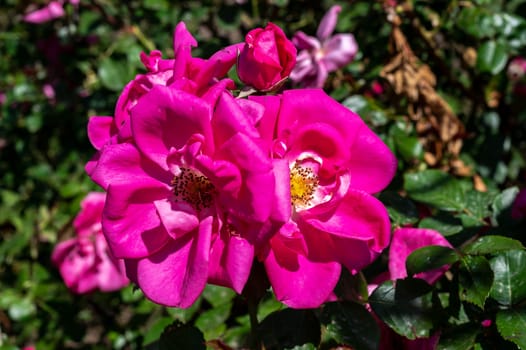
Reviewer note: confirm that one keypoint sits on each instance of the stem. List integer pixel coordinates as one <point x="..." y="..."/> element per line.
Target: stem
<point x="254" y="324"/>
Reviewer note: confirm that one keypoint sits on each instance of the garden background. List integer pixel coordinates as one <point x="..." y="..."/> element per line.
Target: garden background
<point x="441" y="82"/>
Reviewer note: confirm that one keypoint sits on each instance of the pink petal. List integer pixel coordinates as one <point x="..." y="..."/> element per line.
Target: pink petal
<point x="100" y="130"/>
<point x="305" y="42"/>
<point x="355" y="231"/>
<point x="165" y="118"/>
<point x="218" y="65"/>
<point x="297" y="281"/>
<point x="405" y="241"/>
<point x="339" y="51"/>
<point x="372" y="163"/>
<point x="306" y="67"/>
<point x="89" y="218"/>
<point x="122" y="162"/>
<point x="130" y="220"/>
<point x="51" y="11"/>
<point x="230" y="261"/>
<point x="177" y="274"/>
<point x="177" y="218"/>
<point x="271" y="105"/>
<point x="328" y="22"/>
<point x="183" y="43"/>
<point x="110" y="271"/>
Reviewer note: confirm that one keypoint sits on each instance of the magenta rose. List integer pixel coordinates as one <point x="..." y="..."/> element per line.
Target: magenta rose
<point x="85" y="262"/>
<point x="183" y="72"/>
<point x="267" y="58"/>
<point x="192" y="198"/>
<point x="331" y="163"/>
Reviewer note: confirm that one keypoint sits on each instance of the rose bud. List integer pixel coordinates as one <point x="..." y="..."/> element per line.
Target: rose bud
<point x="266" y="59"/>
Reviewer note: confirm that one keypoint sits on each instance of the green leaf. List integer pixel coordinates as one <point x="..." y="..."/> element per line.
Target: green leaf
<point x="212" y="321"/>
<point x="492" y="57"/>
<point x="502" y="203"/>
<point x="435" y="188"/>
<point x="21" y="309"/>
<point x="155" y="331"/>
<point x="185" y="315"/>
<point x="307" y="346"/>
<point x="178" y="336"/>
<point x="409" y="147"/>
<point x="406" y="308"/>
<point x="113" y="74"/>
<point x="511" y="324"/>
<point x="491" y="245"/>
<point x="217" y="295"/>
<point x="444" y="223"/>
<point x="458" y="338"/>
<point x="402" y="211"/>
<point x="430" y="258"/>
<point x="288" y="328"/>
<point x="509" y="285"/>
<point x="475" y="278"/>
<point x="351" y="324"/>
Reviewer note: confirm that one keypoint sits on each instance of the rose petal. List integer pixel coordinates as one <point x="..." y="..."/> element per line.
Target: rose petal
<point x="405" y="241"/>
<point x="328" y="22"/>
<point x="165" y="118"/>
<point x="177" y="274"/>
<point x="296" y="281"/>
<point x="230" y="261"/>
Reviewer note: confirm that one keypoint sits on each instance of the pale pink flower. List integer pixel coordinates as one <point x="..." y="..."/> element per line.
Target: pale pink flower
<point x="51" y="11"/>
<point x="328" y="162"/>
<point x="518" y="209"/>
<point x="85" y="262"/>
<point x="407" y="240"/>
<point x="320" y="55"/>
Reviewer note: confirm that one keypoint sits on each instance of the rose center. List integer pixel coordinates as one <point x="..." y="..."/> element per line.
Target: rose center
<point x="303" y="185"/>
<point x="192" y="187"/>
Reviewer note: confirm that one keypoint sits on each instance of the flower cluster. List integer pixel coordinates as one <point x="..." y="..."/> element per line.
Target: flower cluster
<point x="201" y="183"/>
<point x="85" y="262"/>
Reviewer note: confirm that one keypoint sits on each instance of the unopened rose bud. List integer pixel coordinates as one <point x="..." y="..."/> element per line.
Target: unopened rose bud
<point x="266" y="59"/>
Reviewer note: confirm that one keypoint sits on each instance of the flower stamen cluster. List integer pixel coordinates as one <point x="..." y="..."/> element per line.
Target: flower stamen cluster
<point x="303" y="185"/>
<point x="194" y="188"/>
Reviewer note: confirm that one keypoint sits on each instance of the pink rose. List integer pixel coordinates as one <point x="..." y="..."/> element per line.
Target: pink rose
<point x="267" y="58"/>
<point x="518" y="209"/>
<point x="184" y="71"/>
<point x="330" y="162"/>
<point x="85" y="262"/>
<point x="192" y="198"/>
<point x="407" y="240"/>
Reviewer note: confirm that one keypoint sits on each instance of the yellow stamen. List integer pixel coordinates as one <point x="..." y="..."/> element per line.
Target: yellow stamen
<point x="303" y="184"/>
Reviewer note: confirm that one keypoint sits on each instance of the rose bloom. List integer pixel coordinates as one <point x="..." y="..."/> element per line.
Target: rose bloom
<point x="267" y="58"/>
<point x="330" y="163"/>
<point x="192" y="198"/>
<point x="191" y="74"/>
<point x="320" y="55"/>
<point x="85" y="262"/>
